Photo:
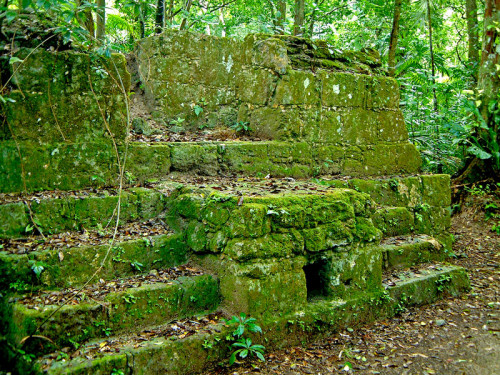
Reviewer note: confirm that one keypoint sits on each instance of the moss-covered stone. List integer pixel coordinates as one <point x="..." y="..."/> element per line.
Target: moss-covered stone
<point x="342" y="90"/>
<point x="67" y="97"/>
<point x="249" y="220"/>
<point x="134" y="308"/>
<point x="14" y="220"/>
<point x="275" y="245"/>
<point x="195" y="158"/>
<point x="436" y="190"/>
<point x="412" y="253"/>
<point x="71" y="267"/>
<point x="394" y="221"/>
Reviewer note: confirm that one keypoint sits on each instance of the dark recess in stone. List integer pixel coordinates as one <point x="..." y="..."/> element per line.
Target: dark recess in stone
<point x="317" y="279"/>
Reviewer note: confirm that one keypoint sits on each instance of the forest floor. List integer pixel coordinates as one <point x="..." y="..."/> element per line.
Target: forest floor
<point x="453" y="336"/>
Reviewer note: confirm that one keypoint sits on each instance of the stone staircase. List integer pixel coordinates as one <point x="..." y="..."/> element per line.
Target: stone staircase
<point x="309" y="252"/>
<point x="324" y="223"/>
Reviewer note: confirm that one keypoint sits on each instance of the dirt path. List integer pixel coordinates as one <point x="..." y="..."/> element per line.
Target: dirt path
<point x="453" y="336"/>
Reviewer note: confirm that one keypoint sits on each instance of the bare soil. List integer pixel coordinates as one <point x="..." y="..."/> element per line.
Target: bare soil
<point x="453" y="336"/>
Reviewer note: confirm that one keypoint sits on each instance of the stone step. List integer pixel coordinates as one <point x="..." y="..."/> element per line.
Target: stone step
<point x="49" y="265"/>
<point x="58" y="212"/>
<point x="115" y="307"/>
<point x="407" y="251"/>
<point x="157" y="351"/>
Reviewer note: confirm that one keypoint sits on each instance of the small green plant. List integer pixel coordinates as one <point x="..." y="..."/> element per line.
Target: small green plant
<point x="394" y="185"/>
<point x="197" y="110"/>
<point x="98" y="180"/>
<point x="244" y="324"/>
<point x="479" y="190"/>
<point x="442" y="282"/>
<point x="37" y="267"/>
<point x="119" y="251"/>
<point x="117" y="372"/>
<point x="130" y="177"/>
<point x="496" y="228"/>
<point x="242" y="127"/>
<point x="177" y="122"/>
<point x="28" y="357"/>
<point x="19" y="286"/>
<point x="106" y="331"/>
<point x="136" y="266"/>
<point x="245" y="348"/>
<point x="62" y="356"/>
<point x="130" y="299"/>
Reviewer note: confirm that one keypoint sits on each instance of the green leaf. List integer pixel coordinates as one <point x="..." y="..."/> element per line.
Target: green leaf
<point x="478" y="152"/>
<point x="15" y="59"/>
<point x="197" y="110"/>
<point x="37" y="269"/>
<point x="244" y="353"/>
<point x="232" y="359"/>
<point x="239" y="331"/>
<point x="260" y="356"/>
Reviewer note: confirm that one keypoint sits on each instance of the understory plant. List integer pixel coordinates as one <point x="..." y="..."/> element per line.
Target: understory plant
<point x="243" y="345"/>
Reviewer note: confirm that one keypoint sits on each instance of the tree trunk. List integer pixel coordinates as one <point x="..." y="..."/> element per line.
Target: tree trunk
<point x="489" y="86"/>
<point x="280" y="24"/>
<point x="298" y="26"/>
<point x="394" y="37"/>
<point x="101" y="19"/>
<point x="88" y="20"/>
<point x="184" y="20"/>
<point x="431" y="49"/>
<point x="170" y="12"/>
<point x="222" y="22"/>
<point x="160" y="16"/>
<point x="472" y="32"/>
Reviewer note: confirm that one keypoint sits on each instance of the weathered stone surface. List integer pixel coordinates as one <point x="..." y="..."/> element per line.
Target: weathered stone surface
<point x="134" y="308"/>
<point x="67" y="96"/>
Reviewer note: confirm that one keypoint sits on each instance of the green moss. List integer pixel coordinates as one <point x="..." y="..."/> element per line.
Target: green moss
<point x="394" y="221"/>
<point x="249" y="220"/>
<point x="57" y="103"/>
<point x="134" y="308"/>
<point x="80" y="262"/>
<point x="268" y="246"/>
<point x="14" y="220"/>
<point x="436" y="190"/>
<point x="328" y="236"/>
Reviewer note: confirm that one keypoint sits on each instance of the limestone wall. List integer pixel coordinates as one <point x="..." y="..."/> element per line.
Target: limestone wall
<point x="66" y="97"/>
<point x="286" y="88"/>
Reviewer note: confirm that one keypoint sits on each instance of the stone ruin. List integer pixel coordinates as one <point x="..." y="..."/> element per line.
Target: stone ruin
<point x="321" y="224"/>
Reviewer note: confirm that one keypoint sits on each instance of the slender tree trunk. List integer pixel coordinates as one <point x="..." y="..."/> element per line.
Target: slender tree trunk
<point x="280" y="25"/>
<point x="298" y="27"/>
<point x="88" y="20"/>
<point x="489" y="85"/>
<point x="394" y="37"/>
<point x="489" y="76"/>
<point x="101" y="19"/>
<point x="431" y="49"/>
<point x="160" y="16"/>
<point x="222" y="22"/>
<point x="171" y="12"/>
<point x="472" y="30"/>
<point x="184" y="20"/>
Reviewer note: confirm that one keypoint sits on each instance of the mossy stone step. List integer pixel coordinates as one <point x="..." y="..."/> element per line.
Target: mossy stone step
<point x="120" y="312"/>
<point x="56" y="215"/>
<point x="72" y="267"/>
<point x="409" y="251"/>
<point x="320" y="318"/>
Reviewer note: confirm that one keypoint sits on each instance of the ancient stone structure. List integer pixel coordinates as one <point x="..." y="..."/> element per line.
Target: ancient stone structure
<point x="306" y="257"/>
